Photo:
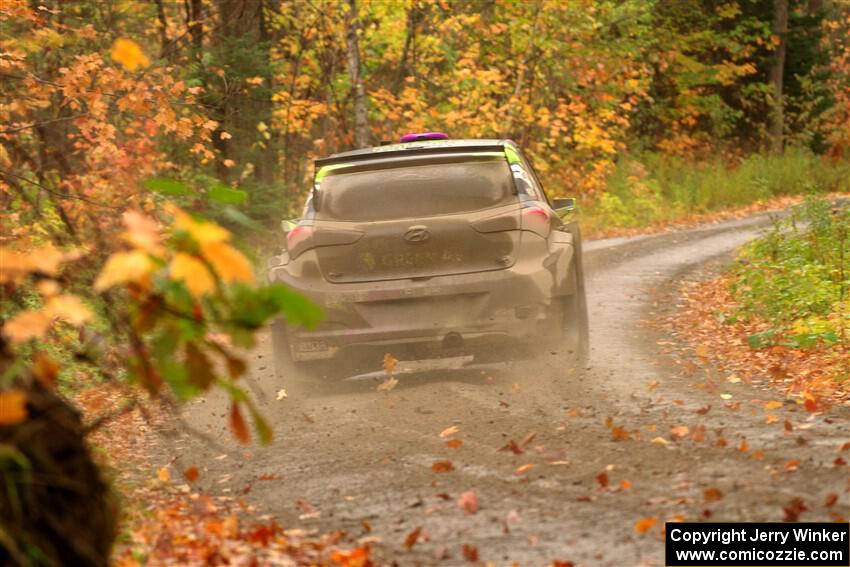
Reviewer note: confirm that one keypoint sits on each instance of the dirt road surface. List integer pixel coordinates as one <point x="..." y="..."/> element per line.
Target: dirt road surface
<point x="350" y="456"/>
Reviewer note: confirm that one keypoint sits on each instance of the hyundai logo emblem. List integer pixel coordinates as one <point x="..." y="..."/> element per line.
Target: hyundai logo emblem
<point x="417" y="234"/>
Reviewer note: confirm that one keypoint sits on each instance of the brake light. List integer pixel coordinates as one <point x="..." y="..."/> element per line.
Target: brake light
<point x="538" y="212"/>
<point x="536" y="219"/>
<point x="299" y="239"/>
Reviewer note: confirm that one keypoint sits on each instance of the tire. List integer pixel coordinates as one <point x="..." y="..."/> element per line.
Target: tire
<point x="575" y="331"/>
<point x="576" y="324"/>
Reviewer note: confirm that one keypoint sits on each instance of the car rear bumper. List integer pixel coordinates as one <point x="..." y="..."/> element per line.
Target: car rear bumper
<point x="462" y="312"/>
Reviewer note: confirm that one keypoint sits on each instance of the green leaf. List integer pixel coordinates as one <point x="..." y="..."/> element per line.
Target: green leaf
<point x="238" y="217"/>
<point x="761" y="340"/>
<point x="226" y="195"/>
<point x="177" y="378"/>
<point x="264" y="431"/>
<point x="298" y="309"/>
<point x="166" y="186"/>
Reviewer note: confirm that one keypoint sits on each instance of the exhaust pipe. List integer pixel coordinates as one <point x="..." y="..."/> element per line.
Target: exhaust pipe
<point x="453" y="340"/>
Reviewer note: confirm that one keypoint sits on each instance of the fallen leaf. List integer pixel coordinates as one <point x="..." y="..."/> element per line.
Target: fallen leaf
<point x="512" y="447"/>
<point x="744" y="446"/>
<point x="619" y="434"/>
<point x="644" y="525"/>
<point x="788" y="425"/>
<point x="449" y="431"/>
<point x="412" y="538"/>
<point x="680" y="431"/>
<point x="712" y="494"/>
<point x="468" y="502"/>
<point x="733" y="379"/>
<point x="454" y="443"/>
<point x="830" y="500"/>
<point x="387" y="384"/>
<point x="191" y="474"/>
<point x="524" y="468"/>
<point x="527" y="439"/>
<point x="625" y="484"/>
<point x="772" y="405"/>
<point x="442" y="466"/>
<point x="602" y="479"/>
<point x="390" y="362"/>
<point x="793" y="510"/>
<point x="757" y="454"/>
<point x="281" y="394"/>
<point x="660" y="441"/>
<point x="163" y="474"/>
<point x="792" y="465"/>
<point x="470" y="553"/>
<point x="698" y="435"/>
<point x="811" y="405"/>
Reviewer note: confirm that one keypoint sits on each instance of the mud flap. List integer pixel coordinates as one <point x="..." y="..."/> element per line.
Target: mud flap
<point x="562" y="246"/>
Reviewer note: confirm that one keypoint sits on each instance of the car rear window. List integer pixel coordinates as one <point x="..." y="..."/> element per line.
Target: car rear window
<point x="419" y="190"/>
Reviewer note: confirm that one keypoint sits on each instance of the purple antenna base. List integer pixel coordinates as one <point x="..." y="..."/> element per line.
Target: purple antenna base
<point x="422" y="136"/>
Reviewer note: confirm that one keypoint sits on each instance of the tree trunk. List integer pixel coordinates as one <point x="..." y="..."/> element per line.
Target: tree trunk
<point x="242" y="36"/>
<point x="780" y="30"/>
<point x="163" y="28"/>
<point x="361" y="118"/>
<point x="194" y="15"/>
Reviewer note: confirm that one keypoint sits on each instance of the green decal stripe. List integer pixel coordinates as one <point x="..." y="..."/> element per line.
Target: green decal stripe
<point x="326" y="170"/>
<point x="512" y="155"/>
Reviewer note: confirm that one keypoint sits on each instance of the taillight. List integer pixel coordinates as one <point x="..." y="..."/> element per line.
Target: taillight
<point x="536" y="219"/>
<point x="299" y="239"/>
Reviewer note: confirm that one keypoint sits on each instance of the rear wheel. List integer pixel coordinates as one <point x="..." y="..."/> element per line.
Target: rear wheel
<point x="575" y="330"/>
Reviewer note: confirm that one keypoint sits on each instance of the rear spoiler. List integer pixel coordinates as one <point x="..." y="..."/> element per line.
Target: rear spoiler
<point x="413" y="149"/>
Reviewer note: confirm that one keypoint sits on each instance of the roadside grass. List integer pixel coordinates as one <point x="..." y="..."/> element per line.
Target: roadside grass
<point x="650" y="190"/>
<point x="781" y="312"/>
<point x="797" y="279"/>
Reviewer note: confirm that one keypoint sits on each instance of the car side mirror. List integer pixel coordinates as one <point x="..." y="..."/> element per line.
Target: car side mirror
<point x="564" y="205"/>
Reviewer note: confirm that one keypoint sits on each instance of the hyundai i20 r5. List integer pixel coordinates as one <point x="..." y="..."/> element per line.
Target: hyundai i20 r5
<point x="431" y="248"/>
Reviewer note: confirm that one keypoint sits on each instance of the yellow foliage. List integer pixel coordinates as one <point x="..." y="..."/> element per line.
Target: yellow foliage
<point x="202" y="232"/>
<point x="70" y="308"/>
<point x="142" y="232"/>
<point x="124" y="267"/>
<point x="13" y="407"/>
<point x="128" y="53"/>
<point x="193" y="273"/>
<point x="228" y="262"/>
<point x="26" y="325"/>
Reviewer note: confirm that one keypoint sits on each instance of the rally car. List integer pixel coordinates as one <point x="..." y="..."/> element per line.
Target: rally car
<point x="431" y="247"/>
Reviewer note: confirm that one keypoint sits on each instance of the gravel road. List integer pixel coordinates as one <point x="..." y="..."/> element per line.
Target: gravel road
<point x="350" y="457"/>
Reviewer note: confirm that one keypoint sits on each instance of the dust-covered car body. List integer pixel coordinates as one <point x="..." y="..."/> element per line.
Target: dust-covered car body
<point x="431" y="247"/>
